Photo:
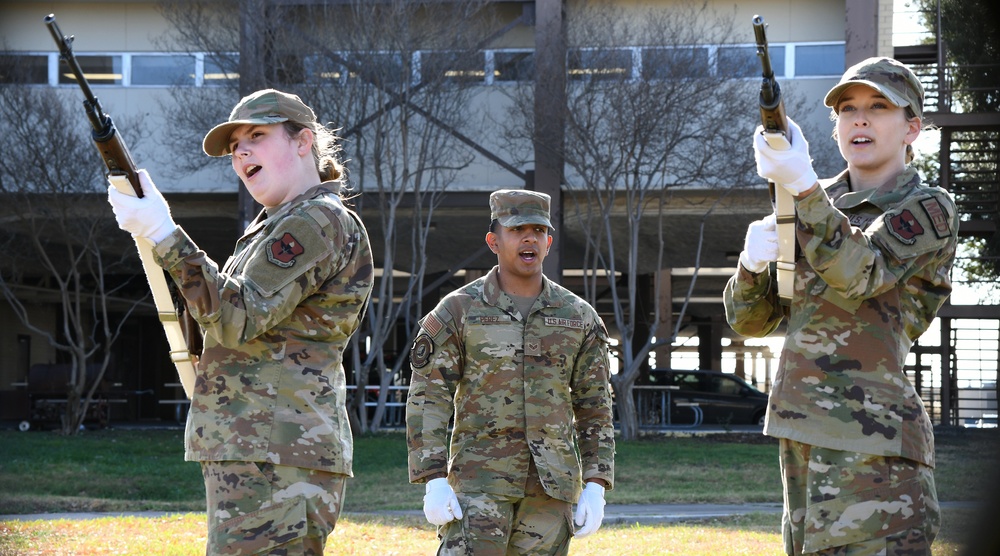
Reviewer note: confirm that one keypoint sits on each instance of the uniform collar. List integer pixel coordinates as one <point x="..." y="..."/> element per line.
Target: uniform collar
<point x="496" y="297"/>
<point x="264" y="216"/>
<point x="883" y="197"/>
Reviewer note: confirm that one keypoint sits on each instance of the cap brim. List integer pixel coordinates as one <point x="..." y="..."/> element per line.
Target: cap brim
<point x="216" y="142"/>
<point x="833" y="97"/>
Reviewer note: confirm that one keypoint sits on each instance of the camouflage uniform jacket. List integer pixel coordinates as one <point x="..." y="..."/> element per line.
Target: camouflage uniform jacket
<point x="520" y="388"/>
<point x="270" y="383"/>
<point x="873" y="273"/>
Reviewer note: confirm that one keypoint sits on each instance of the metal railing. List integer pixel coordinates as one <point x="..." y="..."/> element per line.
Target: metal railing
<point x="395" y="405"/>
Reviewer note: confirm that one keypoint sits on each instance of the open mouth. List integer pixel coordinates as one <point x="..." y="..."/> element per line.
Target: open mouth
<point x="252" y="170"/>
<point x="528" y="255"/>
<point x="861" y="140"/>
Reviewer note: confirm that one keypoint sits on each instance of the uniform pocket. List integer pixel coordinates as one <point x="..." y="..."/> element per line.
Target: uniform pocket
<point x="868" y="514"/>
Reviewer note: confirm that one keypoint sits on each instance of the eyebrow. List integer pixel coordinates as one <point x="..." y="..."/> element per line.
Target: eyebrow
<point x="233" y="141"/>
<point x="847" y="98"/>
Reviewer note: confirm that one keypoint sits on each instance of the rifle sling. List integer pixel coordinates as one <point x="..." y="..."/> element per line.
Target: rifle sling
<point x="165" y="310"/>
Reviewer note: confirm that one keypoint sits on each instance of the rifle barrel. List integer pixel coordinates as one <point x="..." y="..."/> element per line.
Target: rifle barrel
<point x="761" y="36"/>
<point x="91" y="105"/>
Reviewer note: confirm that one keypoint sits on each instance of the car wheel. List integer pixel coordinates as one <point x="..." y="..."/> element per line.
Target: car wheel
<point x="759" y="419"/>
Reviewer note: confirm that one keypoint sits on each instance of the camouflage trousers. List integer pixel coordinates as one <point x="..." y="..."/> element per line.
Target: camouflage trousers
<point x="851" y="504"/>
<point x="262" y="508"/>
<point x="494" y="525"/>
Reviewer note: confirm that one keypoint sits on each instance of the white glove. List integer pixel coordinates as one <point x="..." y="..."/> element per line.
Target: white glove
<point x="761" y="244"/>
<point x="147" y="217"/>
<point x="792" y="168"/>
<point x="440" y="502"/>
<point x="589" y="509"/>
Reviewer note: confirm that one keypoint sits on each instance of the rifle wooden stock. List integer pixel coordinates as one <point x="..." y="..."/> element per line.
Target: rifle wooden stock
<point x="775" y="123"/>
<point x="124" y="176"/>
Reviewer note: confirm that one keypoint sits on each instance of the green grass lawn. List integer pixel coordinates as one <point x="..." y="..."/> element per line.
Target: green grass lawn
<point x="128" y="470"/>
<point x="132" y="470"/>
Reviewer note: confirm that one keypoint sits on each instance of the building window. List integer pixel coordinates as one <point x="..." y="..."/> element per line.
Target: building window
<point x="452" y="66"/>
<point x="24" y="69"/>
<point x="97" y="69"/>
<point x="215" y="75"/>
<point x="819" y="60"/>
<point x="173" y="69"/>
<point x="742" y="61"/>
<point x="599" y="64"/>
<point x="322" y="69"/>
<point x="673" y="63"/>
<point x="513" y="65"/>
<point x="380" y="68"/>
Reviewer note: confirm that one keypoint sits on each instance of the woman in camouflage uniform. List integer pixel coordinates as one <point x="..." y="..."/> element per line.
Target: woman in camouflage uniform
<point x="268" y="418"/>
<point x="877" y="246"/>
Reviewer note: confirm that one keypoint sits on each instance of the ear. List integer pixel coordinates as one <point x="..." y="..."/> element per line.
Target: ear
<point x="491" y="241"/>
<point x="548" y="244"/>
<point x="304" y="141"/>
<point x="914" y="125"/>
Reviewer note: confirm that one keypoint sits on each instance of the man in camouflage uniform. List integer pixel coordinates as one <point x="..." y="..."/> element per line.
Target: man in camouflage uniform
<point x="522" y="365"/>
<point x="268" y="418"/>
<point x="877" y="246"/>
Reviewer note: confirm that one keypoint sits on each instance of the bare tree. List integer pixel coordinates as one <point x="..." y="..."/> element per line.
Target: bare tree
<point x="57" y="231"/>
<point x="636" y="133"/>
<point x="396" y="76"/>
<point x="404" y="133"/>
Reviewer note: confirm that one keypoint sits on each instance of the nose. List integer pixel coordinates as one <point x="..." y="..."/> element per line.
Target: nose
<point x="239" y="149"/>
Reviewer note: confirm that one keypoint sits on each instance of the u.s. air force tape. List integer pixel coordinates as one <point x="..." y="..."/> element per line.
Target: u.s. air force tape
<point x="421" y="351"/>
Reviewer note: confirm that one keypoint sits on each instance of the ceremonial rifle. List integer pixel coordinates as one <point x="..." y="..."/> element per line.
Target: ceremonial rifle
<point x="772" y="115"/>
<point x="124" y="176"/>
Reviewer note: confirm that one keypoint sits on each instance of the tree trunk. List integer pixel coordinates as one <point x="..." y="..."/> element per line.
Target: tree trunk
<point x="628" y="419"/>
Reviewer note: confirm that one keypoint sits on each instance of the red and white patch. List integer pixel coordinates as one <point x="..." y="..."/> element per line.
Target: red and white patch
<point x="282" y="251"/>
<point x="904" y="227"/>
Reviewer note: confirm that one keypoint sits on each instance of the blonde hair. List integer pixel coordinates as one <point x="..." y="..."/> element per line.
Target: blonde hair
<point x="325" y="149"/>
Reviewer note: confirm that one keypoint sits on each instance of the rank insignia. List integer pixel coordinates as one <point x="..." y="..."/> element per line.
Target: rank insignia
<point x="282" y="251"/>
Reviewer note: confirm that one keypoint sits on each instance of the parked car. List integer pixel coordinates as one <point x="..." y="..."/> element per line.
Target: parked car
<point x="720" y="398"/>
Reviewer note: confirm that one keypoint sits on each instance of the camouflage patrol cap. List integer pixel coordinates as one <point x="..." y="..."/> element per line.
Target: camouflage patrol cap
<point x="891" y="78"/>
<point x="267" y="106"/>
<point x="516" y="207"/>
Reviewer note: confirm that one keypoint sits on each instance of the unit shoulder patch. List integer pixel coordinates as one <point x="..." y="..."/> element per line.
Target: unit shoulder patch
<point x="903" y="225"/>
<point x="421" y="351"/>
<point x="283" y="250"/>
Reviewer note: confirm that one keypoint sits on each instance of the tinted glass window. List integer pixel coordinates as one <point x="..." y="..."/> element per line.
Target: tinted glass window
<point x="821" y="59"/>
<point x="99" y="70"/>
<point x="385" y="68"/>
<point x="742" y="61"/>
<point x="724" y="385"/>
<point x="24" y="69"/>
<point x="215" y="74"/>
<point x="452" y="66"/>
<point x="688" y="381"/>
<point x="672" y="63"/>
<point x="513" y="66"/>
<point x="163" y="70"/>
<point x="599" y="64"/>
<point x="322" y="68"/>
